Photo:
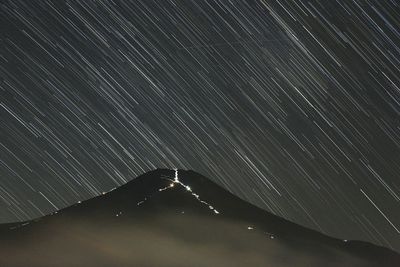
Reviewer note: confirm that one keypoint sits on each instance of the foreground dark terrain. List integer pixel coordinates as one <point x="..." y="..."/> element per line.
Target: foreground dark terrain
<point x="171" y="218"/>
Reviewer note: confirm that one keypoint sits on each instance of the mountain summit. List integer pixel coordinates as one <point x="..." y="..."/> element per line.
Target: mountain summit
<point x="176" y="218"/>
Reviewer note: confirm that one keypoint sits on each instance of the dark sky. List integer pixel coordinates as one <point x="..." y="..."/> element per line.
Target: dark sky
<point x="293" y="106"/>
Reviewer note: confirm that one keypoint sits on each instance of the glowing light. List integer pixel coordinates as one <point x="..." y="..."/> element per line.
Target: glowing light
<point x="188" y="188"/>
<point x="176" y="180"/>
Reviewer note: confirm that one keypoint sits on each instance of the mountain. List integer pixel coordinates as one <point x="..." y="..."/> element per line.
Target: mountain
<point x="175" y="218"/>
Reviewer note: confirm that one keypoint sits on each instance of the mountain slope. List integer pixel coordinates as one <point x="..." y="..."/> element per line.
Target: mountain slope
<point x="171" y="218"/>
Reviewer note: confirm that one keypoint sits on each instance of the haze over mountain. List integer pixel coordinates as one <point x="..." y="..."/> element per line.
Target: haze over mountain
<point x="176" y="218"/>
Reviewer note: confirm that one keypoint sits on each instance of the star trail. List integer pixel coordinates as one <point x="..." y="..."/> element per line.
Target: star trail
<point x="291" y="105"/>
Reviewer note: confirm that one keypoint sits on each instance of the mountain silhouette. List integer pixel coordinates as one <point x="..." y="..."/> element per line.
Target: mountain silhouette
<point x="176" y="218"/>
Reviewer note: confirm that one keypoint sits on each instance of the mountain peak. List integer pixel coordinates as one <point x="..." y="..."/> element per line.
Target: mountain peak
<point x="196" y="220"/>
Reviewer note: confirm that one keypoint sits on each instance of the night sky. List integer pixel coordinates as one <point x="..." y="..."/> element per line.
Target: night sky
<point x="291" y="105"/>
